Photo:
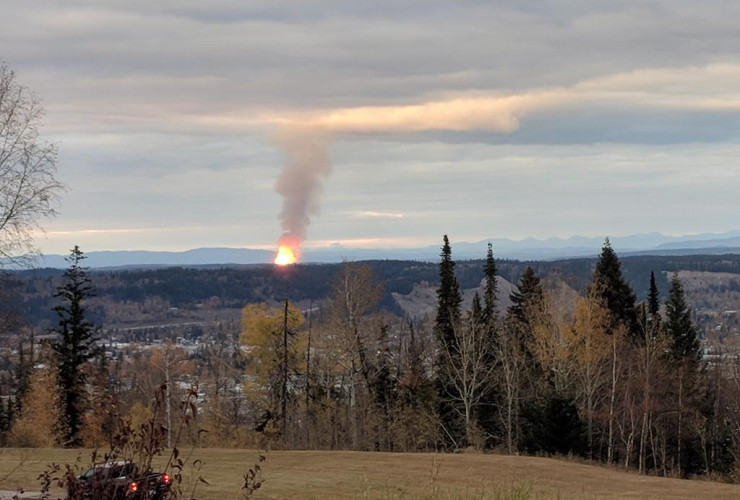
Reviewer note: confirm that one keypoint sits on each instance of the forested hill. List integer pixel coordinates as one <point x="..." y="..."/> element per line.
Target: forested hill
<point x="577" y="272"/>
<point x="233" y="287"/>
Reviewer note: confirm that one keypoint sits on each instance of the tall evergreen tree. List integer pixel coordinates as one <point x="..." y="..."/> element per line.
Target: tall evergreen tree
<point x="489" y="297"/>
<point x="616" y="293"/>
<point x="524" y="395"/>
<point x="449" y="299"/>
<point x="74" y="346"/>
<point x="653" y="297"/>
<point x="652" y="314"/>
<point x="488" y="414"/>
<point x="448" y="318"/>
<point x="684" y="338"/>
<point x="528" y="292"/>
<point x="685" y="353"/>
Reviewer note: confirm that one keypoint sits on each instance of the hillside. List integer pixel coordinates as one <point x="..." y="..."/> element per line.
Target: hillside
<point x="422" y="301"/>
<point x="191" y="298"/>
<point x="308" y="475"/>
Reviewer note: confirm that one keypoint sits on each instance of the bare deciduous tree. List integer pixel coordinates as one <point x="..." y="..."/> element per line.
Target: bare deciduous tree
<point x="171" y="362"/>
<point x="28" y="186"/>
<point x="356" y="294"/>
<point x="468" y="369"/>
<point x="590" y="347"/>
<point x="512" y="362"/>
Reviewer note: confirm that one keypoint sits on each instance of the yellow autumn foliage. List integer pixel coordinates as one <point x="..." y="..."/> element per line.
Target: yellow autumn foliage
<point x="35" y="427"/>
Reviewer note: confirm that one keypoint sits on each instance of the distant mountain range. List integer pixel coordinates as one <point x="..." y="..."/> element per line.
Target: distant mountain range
<point x="526" y="249"/>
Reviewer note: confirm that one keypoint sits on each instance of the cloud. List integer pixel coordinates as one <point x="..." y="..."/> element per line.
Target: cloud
<point x="177" y="63"/>
<point x="377" y="215"/>
<point x="535" y="118"/>
<point x="392" y="242"/>
<point x="710" y="88"/>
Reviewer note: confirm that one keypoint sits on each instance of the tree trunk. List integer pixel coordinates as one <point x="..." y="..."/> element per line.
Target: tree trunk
<point x="510" y="423"/>
<point x="354" y="420"/>
<point x="612" y="402"/>
<point x="643" y="438"/>
<point x="680" y="418"/>
<point x="284" y="389"/>
<point x="308" y="381"/>
<point x="168" y="398"/>
<point x="645" y="408"/>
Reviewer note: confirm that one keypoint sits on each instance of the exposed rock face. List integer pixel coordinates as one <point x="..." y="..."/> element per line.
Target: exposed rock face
<point x="422" y="301"/>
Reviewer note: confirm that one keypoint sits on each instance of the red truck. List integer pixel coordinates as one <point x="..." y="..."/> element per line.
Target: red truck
<point x="119" y="481"/>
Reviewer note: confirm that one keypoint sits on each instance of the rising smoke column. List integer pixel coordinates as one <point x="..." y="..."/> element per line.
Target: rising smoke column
<point x="300" y="182"/>
<point x="305" y="146"/>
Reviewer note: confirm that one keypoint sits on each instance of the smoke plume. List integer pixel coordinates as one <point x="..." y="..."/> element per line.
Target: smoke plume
<point x="300" y="183"/>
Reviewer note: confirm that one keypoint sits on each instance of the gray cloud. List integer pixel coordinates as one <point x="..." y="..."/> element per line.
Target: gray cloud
<point x="163" y="110"/>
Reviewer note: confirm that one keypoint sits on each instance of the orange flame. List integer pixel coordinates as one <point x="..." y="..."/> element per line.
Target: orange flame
<point x="285" y="256"/>
<point x="289" y="250"/>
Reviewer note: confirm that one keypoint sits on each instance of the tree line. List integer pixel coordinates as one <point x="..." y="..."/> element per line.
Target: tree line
<point x="603" y="377"/>
<point x="599" y="375"/>
<point x="233" y="287"/>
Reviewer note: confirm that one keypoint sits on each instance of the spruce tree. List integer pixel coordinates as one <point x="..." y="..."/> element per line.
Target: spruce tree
<point x="448" y="318"/>
<point x="684" y="338"/>
<point x="526" y="300"/>
<point x="528" y="292"/>
<point x="75" y="345"/>
<point x="616" y="293"/>
<point x="653" y="297"/>
<point x="489" y="297"/>
<point x="488" y="414"/>
<point x="652" y="316"/>
<point x="449" y="299"/>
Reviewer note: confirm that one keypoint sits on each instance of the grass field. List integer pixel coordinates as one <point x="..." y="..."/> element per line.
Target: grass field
<point x="350" y="475"/>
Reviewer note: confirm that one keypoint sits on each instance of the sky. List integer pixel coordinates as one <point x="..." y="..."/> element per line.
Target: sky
<point x="479" y="119"/>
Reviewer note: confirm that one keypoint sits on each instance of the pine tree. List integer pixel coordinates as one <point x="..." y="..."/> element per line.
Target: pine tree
<point x="489" y="297"/>
<point x="488" y="413"/>
<point x="448" y="318"/>
<point x="685" y="352"/>
<point x="528" y="292"/>
<point x="449" y="299"/>
<point x="652" y="316"/>
<point x="75" y="345"/>
<point x="653" y="297"/>
<point x="614" y="290"/>
<point x="684" y="338"/>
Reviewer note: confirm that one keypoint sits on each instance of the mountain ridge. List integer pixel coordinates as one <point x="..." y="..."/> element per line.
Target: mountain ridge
<point x="526" y="249"/>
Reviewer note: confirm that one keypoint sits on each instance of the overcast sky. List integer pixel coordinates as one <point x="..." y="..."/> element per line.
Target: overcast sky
<point x="473" y="118"/>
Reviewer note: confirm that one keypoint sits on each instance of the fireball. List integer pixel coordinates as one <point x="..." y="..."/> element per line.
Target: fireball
<point x="285" y="256"/>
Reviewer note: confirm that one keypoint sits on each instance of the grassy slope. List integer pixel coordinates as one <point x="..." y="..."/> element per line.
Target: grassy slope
<point x="349" y="475"/>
